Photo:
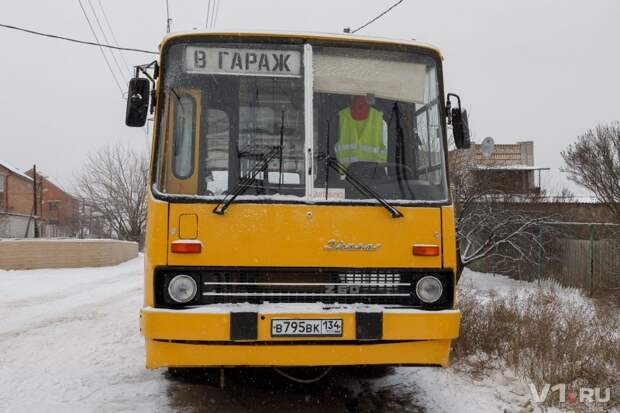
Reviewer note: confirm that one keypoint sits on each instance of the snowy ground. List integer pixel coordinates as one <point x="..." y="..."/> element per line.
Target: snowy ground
<point x="69" y="341"/>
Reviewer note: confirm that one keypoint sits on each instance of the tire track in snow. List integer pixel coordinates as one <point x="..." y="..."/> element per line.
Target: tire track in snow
<point x="69" y="305"/>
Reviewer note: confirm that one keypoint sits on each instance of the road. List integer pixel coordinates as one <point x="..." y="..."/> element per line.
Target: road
<point x="69" y="341"/>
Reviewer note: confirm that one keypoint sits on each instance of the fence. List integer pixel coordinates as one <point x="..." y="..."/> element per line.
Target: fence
<point x="64" y="253"/>
<point x="593" y="265"/>
<point x="16" y="225"/>
<point x="580" y="255"/>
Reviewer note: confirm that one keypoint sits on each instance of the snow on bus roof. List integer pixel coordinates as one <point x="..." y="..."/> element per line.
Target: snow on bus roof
<point x="15" y="170"/>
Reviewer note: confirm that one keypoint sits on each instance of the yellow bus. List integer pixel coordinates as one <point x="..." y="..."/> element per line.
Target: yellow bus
<point x="299" y="211"/>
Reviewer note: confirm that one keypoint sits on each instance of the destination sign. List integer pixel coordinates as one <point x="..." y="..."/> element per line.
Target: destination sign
<point x="233" y="61"/>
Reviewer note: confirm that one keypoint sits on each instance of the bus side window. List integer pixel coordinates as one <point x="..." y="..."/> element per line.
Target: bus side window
<point x="183" y="137"/>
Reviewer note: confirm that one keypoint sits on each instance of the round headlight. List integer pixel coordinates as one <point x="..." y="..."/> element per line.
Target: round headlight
<point x="428" y="289"/>
<point x="182" y="288"/>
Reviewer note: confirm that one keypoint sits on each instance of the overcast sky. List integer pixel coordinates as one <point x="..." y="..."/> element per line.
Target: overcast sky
<point x="540" y="70"/>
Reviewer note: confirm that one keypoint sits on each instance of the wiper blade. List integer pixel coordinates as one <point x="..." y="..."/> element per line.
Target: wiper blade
<point x="248" y="180"/>
<point x="362" y="187"/>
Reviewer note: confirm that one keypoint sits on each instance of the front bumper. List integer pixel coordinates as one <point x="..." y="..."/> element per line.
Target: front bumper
<point x="204" y="336"/>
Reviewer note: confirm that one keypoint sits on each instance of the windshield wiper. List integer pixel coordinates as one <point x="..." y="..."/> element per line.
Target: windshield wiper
<point x="333" y="163"/>
<point x="245" y="183"/>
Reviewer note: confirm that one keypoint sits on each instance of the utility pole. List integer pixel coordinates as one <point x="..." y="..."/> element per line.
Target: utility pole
<point x="36" y="204"/>
<point x="168" y="19"/>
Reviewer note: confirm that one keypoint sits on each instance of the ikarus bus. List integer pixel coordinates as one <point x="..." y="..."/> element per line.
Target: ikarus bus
<point x="299" y="211"/>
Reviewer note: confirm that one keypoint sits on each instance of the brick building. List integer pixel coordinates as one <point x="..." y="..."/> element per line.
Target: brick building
<point x="15" y="190"/>
<point x="58" y="210"/>
<point x="509" y="168"/>
<point x="16" y="202"/>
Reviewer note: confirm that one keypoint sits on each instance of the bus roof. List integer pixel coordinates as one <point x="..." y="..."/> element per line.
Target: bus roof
<point x="353" y="38"/>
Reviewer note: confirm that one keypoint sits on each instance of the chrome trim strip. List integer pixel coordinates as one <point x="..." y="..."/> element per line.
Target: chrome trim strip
<point x="309" y="121"/>
<point x="210" y="293"/>
<point x="361" y="284"/>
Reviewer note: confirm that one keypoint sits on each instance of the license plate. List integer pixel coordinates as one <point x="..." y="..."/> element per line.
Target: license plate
<point x="305" y="327"/>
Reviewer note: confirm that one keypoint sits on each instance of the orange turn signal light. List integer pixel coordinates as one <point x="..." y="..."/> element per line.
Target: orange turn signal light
<point x="426" y="250"/>
<point x="186" y="247"/>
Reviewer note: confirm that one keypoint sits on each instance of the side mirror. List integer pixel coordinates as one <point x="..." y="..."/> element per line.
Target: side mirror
<point x="460" y="129"/>
<point x="460" y="125"/>
<point x="137" y="102"/>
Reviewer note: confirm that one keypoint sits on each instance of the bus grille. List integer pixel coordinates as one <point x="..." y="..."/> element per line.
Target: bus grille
<point x="225" y="285"/>
<point x="343" y="287"/>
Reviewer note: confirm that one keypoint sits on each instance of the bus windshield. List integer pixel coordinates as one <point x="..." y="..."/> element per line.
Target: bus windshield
<point x="227" y="107"/>
<point x="377" y="113"/>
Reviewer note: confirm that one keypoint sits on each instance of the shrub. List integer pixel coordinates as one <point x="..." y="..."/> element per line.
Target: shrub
<point x="545" y="335"/>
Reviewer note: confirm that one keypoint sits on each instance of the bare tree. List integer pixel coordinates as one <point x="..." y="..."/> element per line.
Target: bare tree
<point x="594" y="163"/>
<point x="507" y="234"/>
<point x="113" y="184"/>
<point x="496" y="224"/>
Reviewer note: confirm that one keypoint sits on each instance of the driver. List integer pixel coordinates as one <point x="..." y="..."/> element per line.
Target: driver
<point x="362" y="135"/>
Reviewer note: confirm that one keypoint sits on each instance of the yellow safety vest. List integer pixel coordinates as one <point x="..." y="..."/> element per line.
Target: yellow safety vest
<point x="360" y="140"/>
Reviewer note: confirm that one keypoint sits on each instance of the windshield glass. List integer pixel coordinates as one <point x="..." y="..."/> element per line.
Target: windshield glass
<point x="226" y="107"/>
<point x="376" y="112"/>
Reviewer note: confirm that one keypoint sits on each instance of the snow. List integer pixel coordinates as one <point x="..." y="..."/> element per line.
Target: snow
<point x="510" y="168"/>
<point x="301" y="308"/>
<point x="70" y="341"/>
<point x="293" y="199"/>
<point x="449" y="390"/>
<point x="487" y="285"/>
<point x="454" y="389"/>
<point x="68" y="240"/>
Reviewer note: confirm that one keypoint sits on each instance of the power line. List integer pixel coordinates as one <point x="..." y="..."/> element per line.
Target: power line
<point x="69" y="39"/>
<point x="217" y="11"/>
<point x="208" y="15"/>
<point x="105" y="38"/>
<point x="101" y="49"/>
<point x="212" y="13"/>
<point x="378" y="17"/>
<point x="215" y="7"/>
<point x="105" y="17"/>
<point x="212" y="8"/>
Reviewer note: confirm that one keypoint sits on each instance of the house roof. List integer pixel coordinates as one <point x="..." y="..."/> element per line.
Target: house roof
<point x="14" y="170"/>
<point x="50" y="181"/>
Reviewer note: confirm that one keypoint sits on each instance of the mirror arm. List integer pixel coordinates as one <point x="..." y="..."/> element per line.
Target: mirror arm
<point x="143" y="70"/>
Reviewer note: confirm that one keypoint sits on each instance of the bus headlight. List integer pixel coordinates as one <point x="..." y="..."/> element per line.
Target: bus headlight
<point x="429" y="289"/>
<point x="182" y="289"/>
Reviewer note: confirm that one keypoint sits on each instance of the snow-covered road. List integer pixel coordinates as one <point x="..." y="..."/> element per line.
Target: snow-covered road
<point x="69" y="341"/>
